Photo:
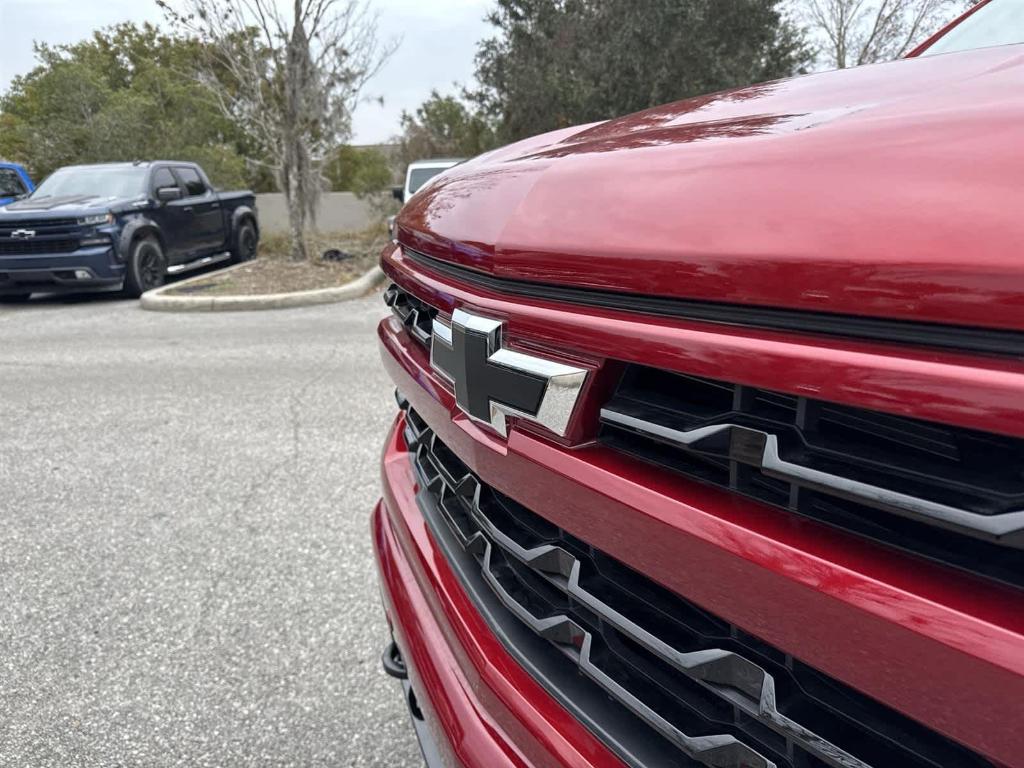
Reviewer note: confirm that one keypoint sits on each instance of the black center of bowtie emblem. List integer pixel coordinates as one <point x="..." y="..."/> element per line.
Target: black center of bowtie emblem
<point x="479" y="379"/>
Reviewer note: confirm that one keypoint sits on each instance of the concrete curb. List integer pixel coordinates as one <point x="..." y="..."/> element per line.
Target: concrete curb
<point x="158" y="300"/>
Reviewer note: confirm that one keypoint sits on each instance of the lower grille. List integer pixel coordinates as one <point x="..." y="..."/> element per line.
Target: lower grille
<point x="661" y="681"/>
<point x="36" y="247"/>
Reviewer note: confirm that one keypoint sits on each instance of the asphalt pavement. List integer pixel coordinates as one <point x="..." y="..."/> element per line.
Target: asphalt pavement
<point x="186" y="576"/>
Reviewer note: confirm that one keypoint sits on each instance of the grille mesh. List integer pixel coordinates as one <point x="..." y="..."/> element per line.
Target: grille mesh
<point x="713" y="694"/>
<point x="34" y="247"/>
<point x="40" y="226"/>
<point x="415" y="315"/>
<point x="950" y="494"/>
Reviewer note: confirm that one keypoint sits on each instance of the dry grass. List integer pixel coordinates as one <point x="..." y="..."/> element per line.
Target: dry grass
<point x="274" y="272"/>
<point x="366" y="243"/>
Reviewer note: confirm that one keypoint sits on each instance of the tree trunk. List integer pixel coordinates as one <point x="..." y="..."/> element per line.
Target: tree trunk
<point x="296" y="221"/>
<point x="300" y="185"/>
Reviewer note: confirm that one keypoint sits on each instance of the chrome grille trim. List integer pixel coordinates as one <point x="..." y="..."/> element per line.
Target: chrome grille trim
<point x="716" y="751"/>
<point x="726" y="674"/>
<point x="951" y="494"/>
<point x="759" y="449"/>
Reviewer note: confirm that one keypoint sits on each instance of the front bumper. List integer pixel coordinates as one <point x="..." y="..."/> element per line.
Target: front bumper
<point x="481" y="708"/>
<point x="87" y="269"/>
<point x="877" y="621"/>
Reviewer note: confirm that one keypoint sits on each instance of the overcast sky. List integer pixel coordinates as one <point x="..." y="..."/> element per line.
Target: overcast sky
<point x="438" y="42"/>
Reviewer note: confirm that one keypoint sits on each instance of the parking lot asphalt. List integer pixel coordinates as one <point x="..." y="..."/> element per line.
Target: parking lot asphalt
<point x="186" y="576"/>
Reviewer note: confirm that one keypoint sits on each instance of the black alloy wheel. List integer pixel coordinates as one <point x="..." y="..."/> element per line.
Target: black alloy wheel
<point x="246" y="243"/>
<point x="147" y="267"/>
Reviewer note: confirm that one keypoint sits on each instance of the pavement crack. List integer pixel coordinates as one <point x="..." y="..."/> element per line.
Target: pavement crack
<point x="260" y="480"/>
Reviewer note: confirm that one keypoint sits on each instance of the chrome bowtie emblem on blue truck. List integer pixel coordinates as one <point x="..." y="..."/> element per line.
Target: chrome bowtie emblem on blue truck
<point x="492" y="382"/>
<point x="23" y="234"/>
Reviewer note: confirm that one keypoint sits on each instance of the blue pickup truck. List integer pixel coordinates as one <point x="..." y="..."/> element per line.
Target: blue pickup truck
<point x="120" y="226"/>
<point x="14" y="182"/>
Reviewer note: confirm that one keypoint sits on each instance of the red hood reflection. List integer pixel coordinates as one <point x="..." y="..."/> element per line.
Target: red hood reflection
<point x="890" y="190"/>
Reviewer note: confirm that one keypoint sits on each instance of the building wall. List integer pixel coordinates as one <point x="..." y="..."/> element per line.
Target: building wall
<point x="338" y="212"/>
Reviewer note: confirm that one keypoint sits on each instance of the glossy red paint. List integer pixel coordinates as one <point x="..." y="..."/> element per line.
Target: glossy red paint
<point x="939" y="646"/>
<point x="886" y="190"/>
<point x="983" y="393"/>
<point x="873" y="192"/>
<point x="486" y="711"/>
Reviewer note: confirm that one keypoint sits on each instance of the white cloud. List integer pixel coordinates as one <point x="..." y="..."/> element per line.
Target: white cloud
<point x="58" y="21"/>
<point x="439" y="40"/>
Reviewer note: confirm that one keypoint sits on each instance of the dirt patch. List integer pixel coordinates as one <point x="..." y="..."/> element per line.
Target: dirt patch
<point x="264" y="276"/>
<point x="273" y="272"/>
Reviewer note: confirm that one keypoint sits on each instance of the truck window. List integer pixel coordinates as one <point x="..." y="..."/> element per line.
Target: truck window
<point x="10" y="183"/>
<point x="194" y="186"/>
<point x="163" y="178"/>
<point x="420" y="176"/>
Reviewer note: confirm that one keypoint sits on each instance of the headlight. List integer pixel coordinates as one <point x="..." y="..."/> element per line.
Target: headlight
<point x="100" y="218"/>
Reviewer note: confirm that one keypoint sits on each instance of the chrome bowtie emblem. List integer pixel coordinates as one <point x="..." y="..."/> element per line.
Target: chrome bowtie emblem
<point x="492" y="382"/>
<point x="23" y="234"/>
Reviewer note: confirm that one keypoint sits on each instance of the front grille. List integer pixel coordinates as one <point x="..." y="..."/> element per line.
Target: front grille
<point x="950" y="494"/>
<point x="39" y="226"/>
<point x="416" y="316"/>
<point x="657" y="678"/>
<point x="35" y="247"/>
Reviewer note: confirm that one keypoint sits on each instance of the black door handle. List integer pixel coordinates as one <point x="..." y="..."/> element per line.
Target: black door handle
<point x="188" y="209"/>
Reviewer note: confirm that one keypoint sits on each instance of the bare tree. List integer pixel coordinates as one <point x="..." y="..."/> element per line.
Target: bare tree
<point x="858" y="32"/>
<point x="291" y="81"/>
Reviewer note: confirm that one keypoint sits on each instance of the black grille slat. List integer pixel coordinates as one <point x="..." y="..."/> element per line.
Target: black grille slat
<point x="416" y="315"/>
<point x="912" y="435"/>
<point x="36" y="246"/>
<point x="950" y="457"/>
<point x="39" y="226"/>
<point x="962" y="488"/>
<point x="611" y="622"/>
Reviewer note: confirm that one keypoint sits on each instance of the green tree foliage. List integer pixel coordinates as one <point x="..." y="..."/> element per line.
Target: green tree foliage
<point x="127" y="93"/>
<point x="444" y="126"/>
<point x="363" y="170"/>
<point x="555" y="63"/>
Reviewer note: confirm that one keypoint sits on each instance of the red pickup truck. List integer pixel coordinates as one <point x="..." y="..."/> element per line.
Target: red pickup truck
<point x="710" y="448"/>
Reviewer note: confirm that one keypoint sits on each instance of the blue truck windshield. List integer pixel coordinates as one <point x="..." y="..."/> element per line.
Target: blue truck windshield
<point x="113" y="181"/>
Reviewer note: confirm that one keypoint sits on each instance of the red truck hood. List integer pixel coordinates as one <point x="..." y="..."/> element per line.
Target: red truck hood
<point x="893" y="190"/>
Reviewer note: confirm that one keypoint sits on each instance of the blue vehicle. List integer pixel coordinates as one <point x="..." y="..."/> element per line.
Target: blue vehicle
<point x="14" y="182"/>
<point x="120" y="226"/>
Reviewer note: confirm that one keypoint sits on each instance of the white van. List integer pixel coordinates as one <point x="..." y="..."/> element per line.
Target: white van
<point x="420" y="172"/>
